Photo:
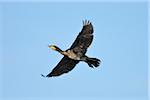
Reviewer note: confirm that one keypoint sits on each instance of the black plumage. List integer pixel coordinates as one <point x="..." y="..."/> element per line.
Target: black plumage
<point x="76" y="52"/>
<point x="65" y="65"/>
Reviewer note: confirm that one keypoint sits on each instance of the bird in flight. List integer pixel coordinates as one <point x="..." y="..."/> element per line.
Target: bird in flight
<point x="76" y="52"/>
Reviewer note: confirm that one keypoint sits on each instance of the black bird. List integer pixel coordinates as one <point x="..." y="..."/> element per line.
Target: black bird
<point x="76" y="52"/>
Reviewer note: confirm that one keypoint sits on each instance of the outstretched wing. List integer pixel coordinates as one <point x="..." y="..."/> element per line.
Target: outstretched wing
<point x="84" y="39"/>
<point x="65" y="65"/>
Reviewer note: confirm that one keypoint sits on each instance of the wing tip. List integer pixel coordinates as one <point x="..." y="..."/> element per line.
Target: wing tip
<point x="46" y="75"/>
<point x="86" y="22"/>
<point x="43" y="75"/>
<point x="52" y="75"/>
<point x="49" y="75"/>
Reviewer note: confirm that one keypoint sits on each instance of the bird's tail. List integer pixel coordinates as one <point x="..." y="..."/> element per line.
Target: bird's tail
<point x="93" y="62"/>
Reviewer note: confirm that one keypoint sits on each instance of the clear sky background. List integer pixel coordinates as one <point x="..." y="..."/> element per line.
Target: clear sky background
<point x="120" y="41"/>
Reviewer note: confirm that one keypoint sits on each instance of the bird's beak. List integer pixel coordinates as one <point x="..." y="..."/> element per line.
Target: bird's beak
<point x="52" y="47"/>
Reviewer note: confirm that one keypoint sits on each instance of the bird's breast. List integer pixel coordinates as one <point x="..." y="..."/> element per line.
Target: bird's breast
<point x="73" y="55"/>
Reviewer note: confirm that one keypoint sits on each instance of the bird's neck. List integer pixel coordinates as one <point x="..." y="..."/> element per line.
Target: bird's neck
<point x="59" y="50"/>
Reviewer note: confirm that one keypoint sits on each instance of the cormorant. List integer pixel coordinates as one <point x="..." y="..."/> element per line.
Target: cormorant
<point x="76" y="52"/>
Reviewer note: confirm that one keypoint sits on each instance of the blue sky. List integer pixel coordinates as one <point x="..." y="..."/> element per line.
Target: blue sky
<point x="120" y="41"/>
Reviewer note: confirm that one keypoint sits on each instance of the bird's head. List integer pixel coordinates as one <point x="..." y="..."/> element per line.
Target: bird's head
<point x="55" y="48"/>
